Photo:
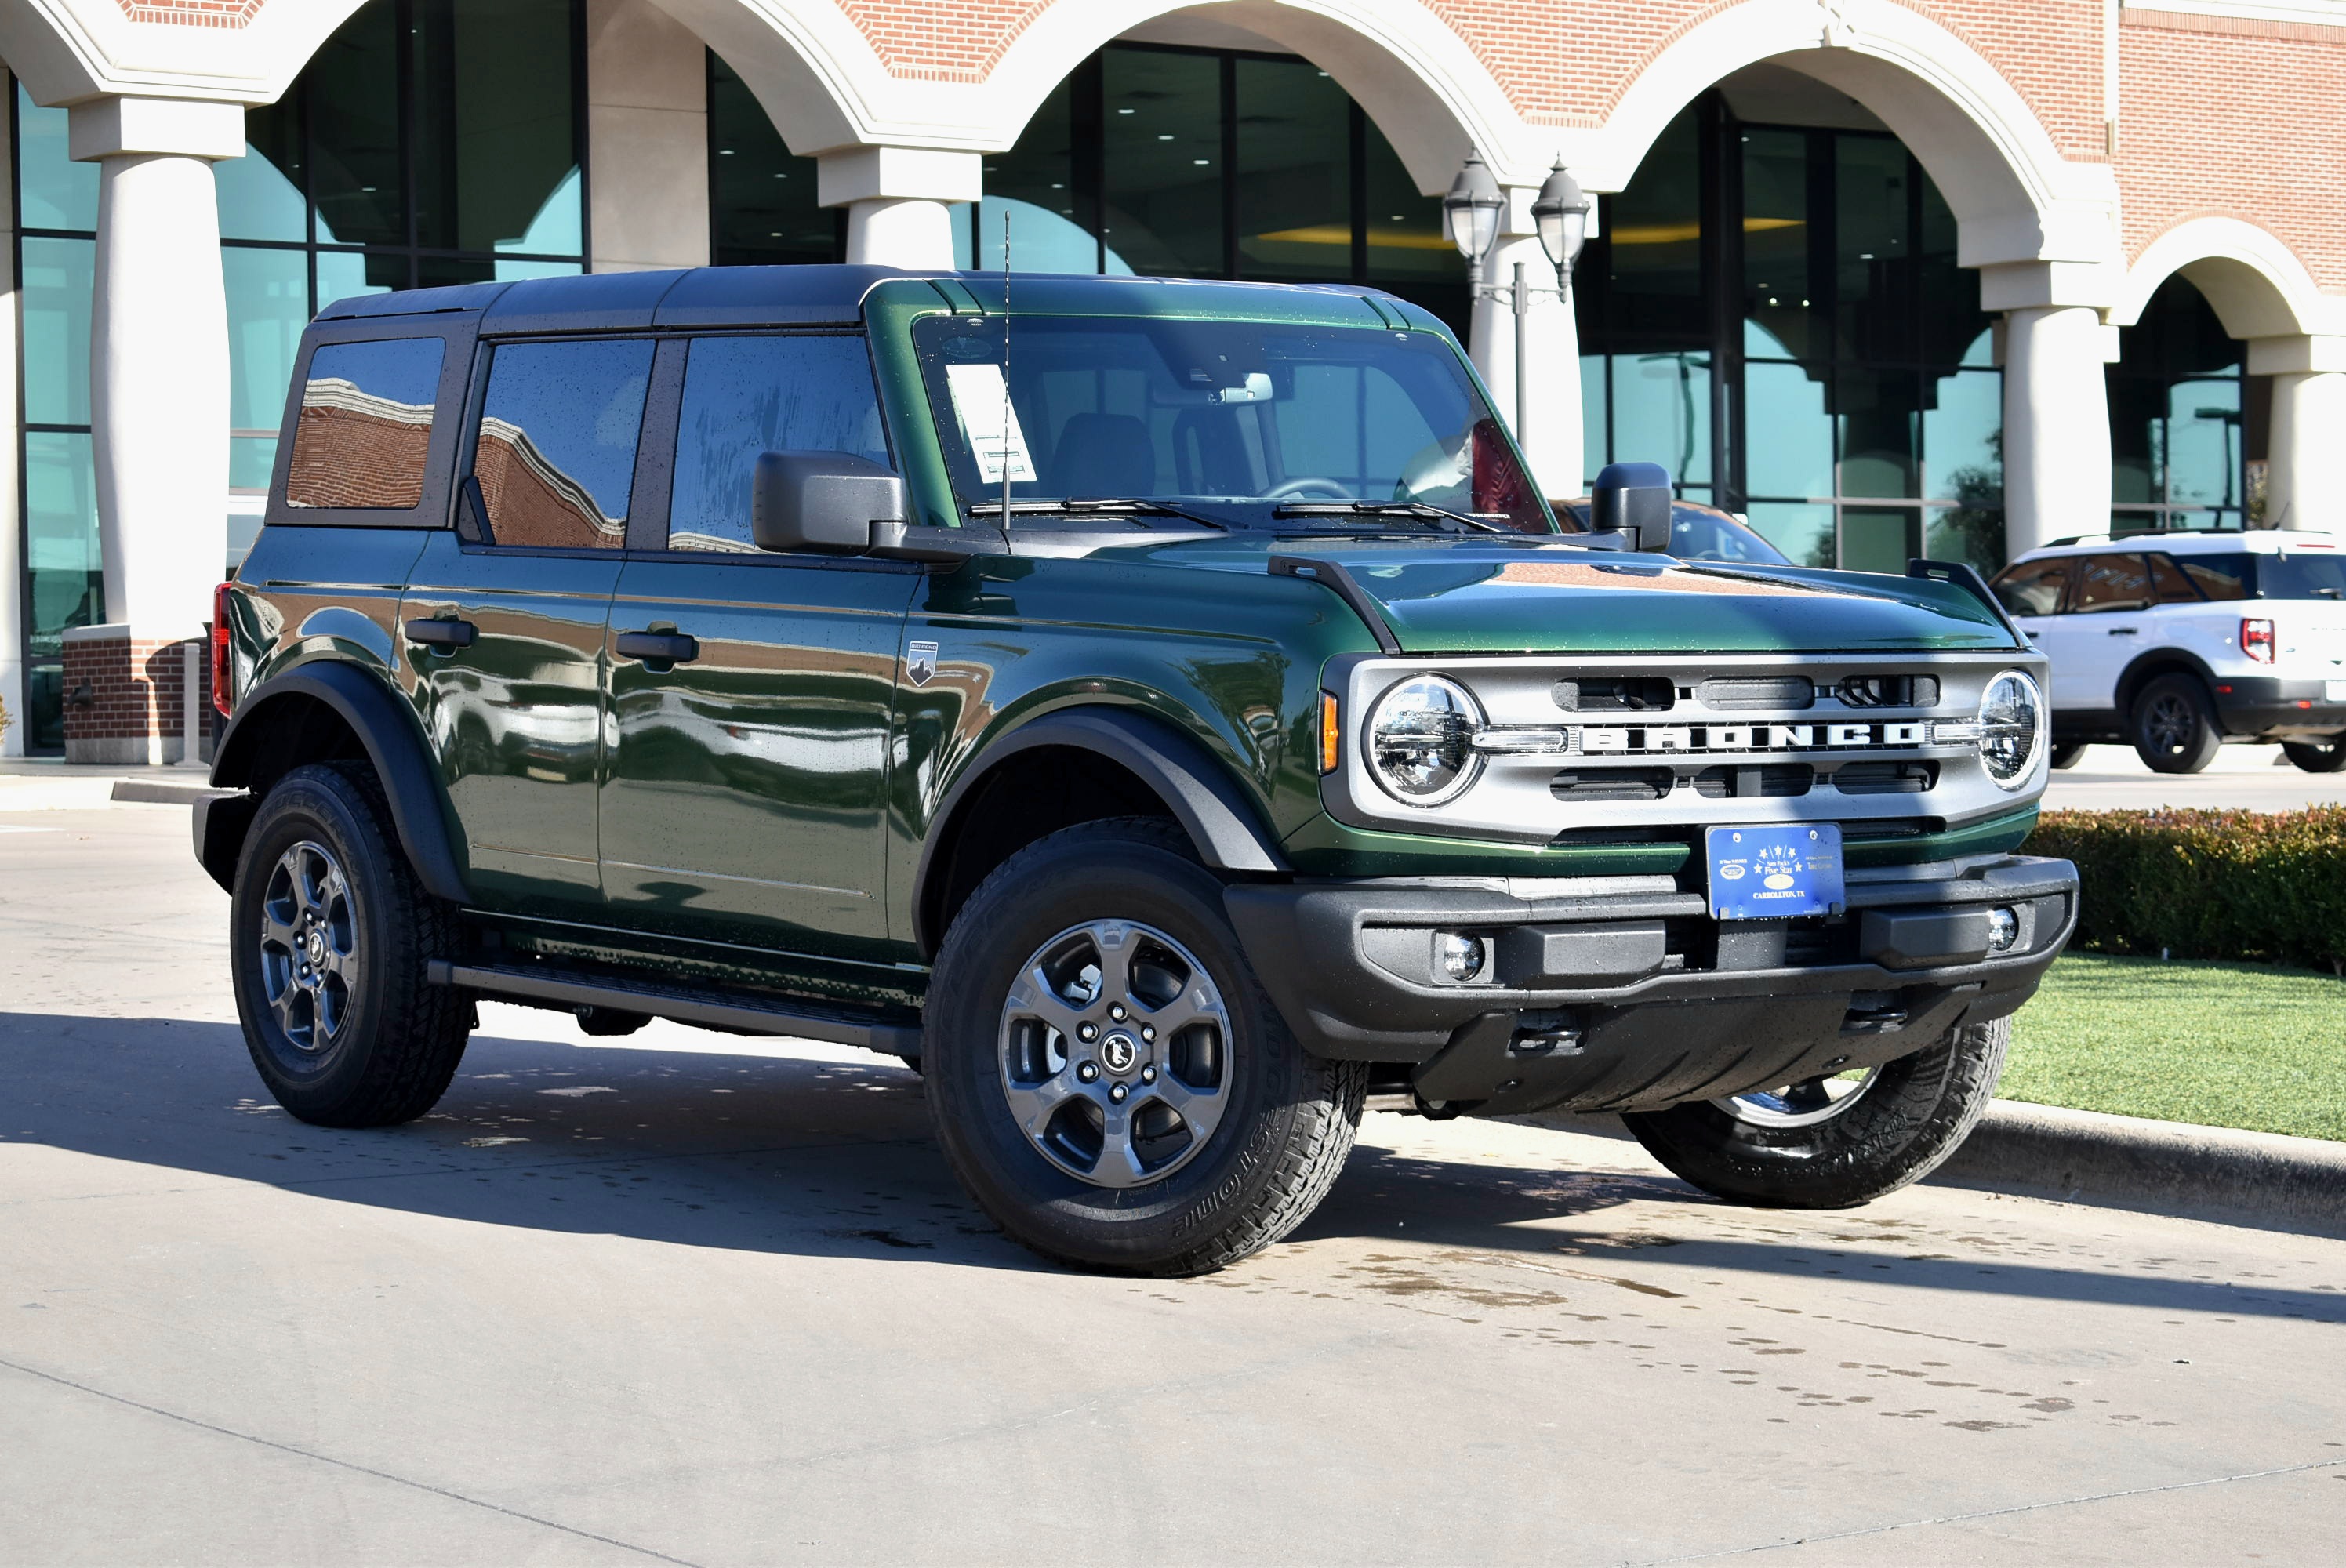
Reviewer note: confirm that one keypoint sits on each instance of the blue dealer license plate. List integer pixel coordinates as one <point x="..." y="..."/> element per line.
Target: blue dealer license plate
<point x="1775" y="872"/>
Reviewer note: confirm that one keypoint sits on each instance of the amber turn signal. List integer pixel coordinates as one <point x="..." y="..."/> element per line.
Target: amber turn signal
<point x="1332" y="749"/>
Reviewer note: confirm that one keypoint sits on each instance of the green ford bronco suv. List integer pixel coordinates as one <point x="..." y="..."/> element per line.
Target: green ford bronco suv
<point x="1165" y="713"/>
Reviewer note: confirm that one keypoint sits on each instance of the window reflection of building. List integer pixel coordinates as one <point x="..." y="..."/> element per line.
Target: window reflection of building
<point x="532" y="502"/>
<point x="354" y="449"/>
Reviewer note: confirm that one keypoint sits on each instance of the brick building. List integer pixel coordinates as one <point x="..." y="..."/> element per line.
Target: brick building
<point x="1885" y="276"/>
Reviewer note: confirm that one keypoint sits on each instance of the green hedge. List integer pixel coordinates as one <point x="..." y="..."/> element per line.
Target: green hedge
<point x="2266" y="887"/>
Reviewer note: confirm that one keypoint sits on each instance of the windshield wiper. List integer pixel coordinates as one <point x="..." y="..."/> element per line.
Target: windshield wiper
<point x="1425" y="509"/>
<point x="1121" y="505"/>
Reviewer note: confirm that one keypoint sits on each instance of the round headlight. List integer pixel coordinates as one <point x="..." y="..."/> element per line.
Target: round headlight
<point x="1420" y="741"/>
<point x="2012" y="728"/>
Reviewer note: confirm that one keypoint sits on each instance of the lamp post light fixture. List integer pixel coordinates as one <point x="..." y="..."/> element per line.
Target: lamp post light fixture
<point x="1560" y="214"/>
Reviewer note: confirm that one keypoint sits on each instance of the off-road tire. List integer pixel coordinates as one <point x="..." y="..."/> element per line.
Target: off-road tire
<point x="2068" y="755"/>
<point x="1914" y="1114"/>
<point x="1281" y="1142"/>
<point x="2173" y="725"/>
<point x="2324" y="756"/>
<point x="402" y="1036"/>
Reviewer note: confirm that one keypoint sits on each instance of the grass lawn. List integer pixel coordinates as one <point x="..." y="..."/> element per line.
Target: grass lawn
<point x="2227" y="1045"/>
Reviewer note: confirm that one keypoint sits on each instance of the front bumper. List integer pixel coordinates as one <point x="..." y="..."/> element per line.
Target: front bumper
<point x="1622" y="993"/>
<point x="2275" y="705"/>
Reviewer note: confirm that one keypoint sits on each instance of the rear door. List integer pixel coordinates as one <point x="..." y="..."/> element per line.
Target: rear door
<point x="505" y="616"/>
<point x="750" y="692"/>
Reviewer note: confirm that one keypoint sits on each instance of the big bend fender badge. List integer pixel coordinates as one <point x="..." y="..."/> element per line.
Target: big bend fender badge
<point x="920" y="662"/>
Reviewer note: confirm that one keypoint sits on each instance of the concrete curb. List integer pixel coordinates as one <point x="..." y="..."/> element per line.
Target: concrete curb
<point x="2260" y="1179"/>
<point x="149" y="792"/>
<point x="2128" y="1162"/>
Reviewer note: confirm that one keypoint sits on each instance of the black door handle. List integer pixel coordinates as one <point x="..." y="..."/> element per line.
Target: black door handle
<point x="2125" y="631"/>
<point x="442" y="634"/>
<point x="658" y="647"/>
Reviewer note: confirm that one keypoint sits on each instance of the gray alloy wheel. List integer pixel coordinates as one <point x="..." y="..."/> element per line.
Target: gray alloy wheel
<point x="1802" y="1104"/>
<point x="309" y="942"/>
<point x="1115" y="1052"/>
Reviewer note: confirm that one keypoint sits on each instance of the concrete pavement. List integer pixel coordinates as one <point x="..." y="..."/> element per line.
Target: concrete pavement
<point x="693" y="1299"/>
<point x="2246" y="778"/>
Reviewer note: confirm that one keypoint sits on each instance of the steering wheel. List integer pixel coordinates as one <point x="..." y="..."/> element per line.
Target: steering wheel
<point x="1296" y="489"/>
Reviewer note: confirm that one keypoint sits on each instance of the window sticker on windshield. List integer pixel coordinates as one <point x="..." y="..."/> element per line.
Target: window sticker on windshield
<point x="981" y="403"/>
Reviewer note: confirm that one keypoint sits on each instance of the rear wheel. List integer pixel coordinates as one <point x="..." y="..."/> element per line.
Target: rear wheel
<point x="329" y="934"/>
<point x="1106" y="1074"/>
<point x="1834" y="1142"/>
<point x="2175" y="726"/>
<point x="2326" y="754"/>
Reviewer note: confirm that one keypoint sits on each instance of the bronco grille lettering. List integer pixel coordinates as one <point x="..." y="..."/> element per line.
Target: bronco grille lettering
<point x="1634" y="741"/>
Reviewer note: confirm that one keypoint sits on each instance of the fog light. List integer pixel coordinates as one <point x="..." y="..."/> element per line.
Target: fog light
<point x="1459" y="956"/>
<point x="2003" y="930"/>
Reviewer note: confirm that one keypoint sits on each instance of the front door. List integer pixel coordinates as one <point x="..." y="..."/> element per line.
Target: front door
<point x="505" y="619"/>
<point x="750" y="692"/>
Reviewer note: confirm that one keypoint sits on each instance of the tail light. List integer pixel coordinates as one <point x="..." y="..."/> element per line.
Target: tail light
<point x="2257" y="640"/>
<point x="223" y="700"/>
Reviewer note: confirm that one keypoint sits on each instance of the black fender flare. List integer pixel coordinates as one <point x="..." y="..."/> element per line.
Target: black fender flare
<point x="2132" y="680"/>
<point x="394" y="745"/>
<point x="1196" y="789"/>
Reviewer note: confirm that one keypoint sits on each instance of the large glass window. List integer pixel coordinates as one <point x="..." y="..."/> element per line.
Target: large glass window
<point x="1774" y="312"/>
<point x="1213" y="164"/>
<point x="2178" y="419"/>
<point x="745" y="396"/>
<point x="761" y="197"/>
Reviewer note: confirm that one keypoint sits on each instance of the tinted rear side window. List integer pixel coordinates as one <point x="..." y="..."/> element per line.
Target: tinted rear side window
<point x="2221" y="576"/>
<point x="2170" y="583"/>
<point x="744" y="396"/>
<point x="365" y="426"/>
<point x="2293" y="575"/>
<point x="556" y="454"/>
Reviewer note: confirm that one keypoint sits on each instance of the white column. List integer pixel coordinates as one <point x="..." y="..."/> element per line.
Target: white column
<point x="900" y="201"/>
<point x="159" y="356"/>
<point x="2056" y="424"/>
<point x="1549" y="430"/>
<point x="647" y="138"/>
<point x="2305" y="471"/>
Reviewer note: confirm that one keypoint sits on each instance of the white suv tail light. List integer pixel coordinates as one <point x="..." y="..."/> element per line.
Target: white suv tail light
<point x="2257" y="640"/>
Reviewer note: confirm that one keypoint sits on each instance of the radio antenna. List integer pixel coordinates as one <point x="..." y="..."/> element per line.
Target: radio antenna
<point x="1009" y="412"/>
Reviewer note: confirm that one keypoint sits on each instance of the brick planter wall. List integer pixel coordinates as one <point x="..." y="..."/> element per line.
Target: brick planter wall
<point x="132" y="716"/>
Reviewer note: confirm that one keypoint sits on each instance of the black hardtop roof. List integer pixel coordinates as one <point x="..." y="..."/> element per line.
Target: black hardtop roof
<point x="804" y="295"/>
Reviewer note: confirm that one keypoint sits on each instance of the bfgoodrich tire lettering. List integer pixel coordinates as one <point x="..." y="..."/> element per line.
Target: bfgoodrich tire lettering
<point x="1277" y="1139"/>
<point x="1911" y="1114"/>
<point x="329" y="936"/>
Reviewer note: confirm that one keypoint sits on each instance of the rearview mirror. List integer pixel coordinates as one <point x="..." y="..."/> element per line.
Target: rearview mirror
<point x="1634" y="498"/>
<point x="822" y="501"/>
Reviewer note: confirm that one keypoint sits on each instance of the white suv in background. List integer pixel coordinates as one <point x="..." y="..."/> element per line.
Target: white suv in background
<point x="2176" y="643"/>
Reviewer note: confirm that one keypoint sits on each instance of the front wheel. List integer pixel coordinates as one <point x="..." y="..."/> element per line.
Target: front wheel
<point x="2326" y="754"/>
<point x="1106" y="1074"/>
<point x="1834" y="1142"/>
<point x="2175" y="726"/>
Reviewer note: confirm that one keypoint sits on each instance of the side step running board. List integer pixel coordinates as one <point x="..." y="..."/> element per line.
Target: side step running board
<point x="683" y="1007"/>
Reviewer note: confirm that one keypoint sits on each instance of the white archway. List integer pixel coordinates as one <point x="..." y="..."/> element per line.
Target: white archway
<point x="2251" y="278"/>
<point x="2015" y="197"/>
<point x="70" y="51"/>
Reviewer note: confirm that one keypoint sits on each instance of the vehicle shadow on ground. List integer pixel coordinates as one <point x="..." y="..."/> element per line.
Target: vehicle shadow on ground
<point x="832" y="1159"/>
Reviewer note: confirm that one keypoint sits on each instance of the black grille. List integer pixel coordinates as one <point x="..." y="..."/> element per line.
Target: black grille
<point x="1889" y="691"/>
<point x="1612" y="784"/>
<point x="1755" y="783"/>
<point x="1729" y="693"/>
<point x="1885" y="777"/>
<point x="1615" y="693"/>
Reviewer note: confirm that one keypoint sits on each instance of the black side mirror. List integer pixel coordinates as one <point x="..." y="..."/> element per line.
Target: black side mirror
<point x="1634" y="498"/>
<point x="825" y="502"/>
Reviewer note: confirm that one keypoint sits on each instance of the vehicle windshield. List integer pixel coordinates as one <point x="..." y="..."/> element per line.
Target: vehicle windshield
<point x="1229" y="423"/>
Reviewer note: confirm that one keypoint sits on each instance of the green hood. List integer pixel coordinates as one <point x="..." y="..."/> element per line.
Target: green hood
<point x="1471" y="597"/>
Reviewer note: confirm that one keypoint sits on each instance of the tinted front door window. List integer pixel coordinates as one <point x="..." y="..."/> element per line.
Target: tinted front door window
<point x="743" y="396"/>
<point x="745" y="798"/>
